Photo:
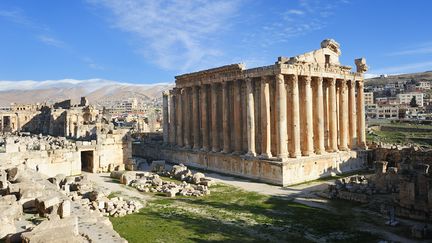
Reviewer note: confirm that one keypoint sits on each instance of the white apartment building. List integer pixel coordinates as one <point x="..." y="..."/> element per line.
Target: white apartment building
<point x="368" y="98"/>
<point x="387" y="112"/>
<point x="424" y="85"/>
<point x="405" y="99"/>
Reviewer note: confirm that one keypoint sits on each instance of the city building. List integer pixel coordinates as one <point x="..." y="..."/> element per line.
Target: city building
<point x="369" y="97"/>
<point x="405" y="98"/>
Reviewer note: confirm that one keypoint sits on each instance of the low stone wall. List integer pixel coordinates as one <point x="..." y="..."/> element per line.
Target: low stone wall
<point x="276" y="172"/>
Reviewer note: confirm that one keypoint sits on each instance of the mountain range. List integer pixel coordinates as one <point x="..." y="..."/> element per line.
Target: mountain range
<point x="97" y="91"/>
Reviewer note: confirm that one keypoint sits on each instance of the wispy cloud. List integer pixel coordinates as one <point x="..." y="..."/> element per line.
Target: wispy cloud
<point x="92" y="64"/>
<point x="309" y="16"/>
<point x="51" y="41"/>
<point x="173" y="33"/>
<point x="406" y="68"/>
<point x="17" y="16"/>
<point x="420" y="49"/>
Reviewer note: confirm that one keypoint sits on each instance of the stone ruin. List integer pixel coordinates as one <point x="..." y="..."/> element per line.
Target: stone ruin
<point x="192" y="184"/>
<point x="403" y="191"/>
<point x="34" y="208"/>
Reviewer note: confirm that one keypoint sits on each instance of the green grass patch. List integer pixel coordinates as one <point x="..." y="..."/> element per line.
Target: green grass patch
<point x="230" y="214"/>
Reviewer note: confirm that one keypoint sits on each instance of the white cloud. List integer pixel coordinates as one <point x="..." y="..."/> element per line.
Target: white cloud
<point x="406" y="68"/>
<point x="310" y="16"/>
<point x="173" y="33"/>
<point x="51" y="41"/>
<point x="88" y="84"/>
<point x="421" y="49"/>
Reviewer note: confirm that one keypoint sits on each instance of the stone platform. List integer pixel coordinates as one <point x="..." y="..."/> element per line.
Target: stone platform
<point x="291" y="171"/>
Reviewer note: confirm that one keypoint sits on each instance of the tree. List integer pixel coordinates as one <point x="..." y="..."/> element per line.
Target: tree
<point x="413" y="102"/>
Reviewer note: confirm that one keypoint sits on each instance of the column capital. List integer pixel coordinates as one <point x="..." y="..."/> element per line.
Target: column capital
<point x="279" y="78"/>
<point x="360" y="83"/>
<point x="331" y="82"/>
<point x="306" y="79"/>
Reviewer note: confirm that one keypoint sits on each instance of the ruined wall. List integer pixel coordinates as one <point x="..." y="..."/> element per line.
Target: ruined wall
<point x="396" y="156"/>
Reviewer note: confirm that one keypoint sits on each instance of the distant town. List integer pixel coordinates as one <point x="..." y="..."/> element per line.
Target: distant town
<point x="399" y="98"/>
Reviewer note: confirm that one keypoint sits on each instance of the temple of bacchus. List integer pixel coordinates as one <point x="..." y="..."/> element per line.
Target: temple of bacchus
<point x="299" y="119"/>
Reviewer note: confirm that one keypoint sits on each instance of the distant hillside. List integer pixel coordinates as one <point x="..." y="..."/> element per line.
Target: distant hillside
<point x="97" y="92"/>
<point x="424" y="76"/>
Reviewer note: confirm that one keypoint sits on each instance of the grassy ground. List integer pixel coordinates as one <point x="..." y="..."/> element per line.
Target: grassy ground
<point x="230" y="214"/>
<point x="399" y="137"/>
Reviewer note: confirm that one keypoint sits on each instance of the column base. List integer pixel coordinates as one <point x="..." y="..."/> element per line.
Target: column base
<point x="265" y="156"/>
<point x="250" y="154"/>
<point x="226" y="151"/>
<point x="215" y="150"/>
<point x="236" y="153"/>
<point x="204" y="149"/>
<point x="295" y="155"/>
<point x="187" y="147"/>
<point x="343" y="148"/>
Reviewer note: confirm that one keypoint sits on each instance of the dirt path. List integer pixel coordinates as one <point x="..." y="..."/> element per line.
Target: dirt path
<point x="104" y="180"/>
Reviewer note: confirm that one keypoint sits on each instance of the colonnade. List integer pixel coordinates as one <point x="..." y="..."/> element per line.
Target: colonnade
<point x="277" y="116"/>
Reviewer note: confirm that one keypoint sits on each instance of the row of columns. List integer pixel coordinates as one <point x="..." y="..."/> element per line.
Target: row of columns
<point x="312" y="115"/>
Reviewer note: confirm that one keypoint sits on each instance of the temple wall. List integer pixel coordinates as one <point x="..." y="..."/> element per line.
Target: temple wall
<point x="285" y="173"/>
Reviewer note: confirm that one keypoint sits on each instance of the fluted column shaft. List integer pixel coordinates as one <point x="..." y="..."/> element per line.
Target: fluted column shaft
<point x="172" y="118"/>
<point x="225" y="119"/>
<point x="294" y="146"/>
<point x="195" y="119"/>
<point x="318" y="115"/>
<point x="361" y="133"/>
<point x="307" y="116"/>
<point x="214" y="119"/>
<point x="352" y="115"/>
<point x="204" y="118"/>
<point x="343" y="116"/>
<point x="281" y="122"/>
<point x="237" y="117"/>
<point x="179" y="111"/>
<point x="332" y="115"/>
<point x="265" y="119"/>
<point x="187" y="117"/>
<point x="250" y="118"/>
<point x="165" y="117"/>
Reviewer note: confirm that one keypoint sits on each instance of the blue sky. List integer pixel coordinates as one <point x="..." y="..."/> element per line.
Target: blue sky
<point x="138" y="41"/>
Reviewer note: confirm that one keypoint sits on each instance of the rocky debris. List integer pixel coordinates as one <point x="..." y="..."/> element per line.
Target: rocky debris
<point x="67" y="214"/>
<point x="192" y="184"/>
<point x="26" y="141"/>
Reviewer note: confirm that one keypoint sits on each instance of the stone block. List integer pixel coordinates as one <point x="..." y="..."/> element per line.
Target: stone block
<point x="57" y="230"/>
<point x="157" y="166"/>
<point x="65" y="209"/>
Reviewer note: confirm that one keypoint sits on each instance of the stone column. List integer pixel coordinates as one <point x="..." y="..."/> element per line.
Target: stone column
<point x="165" y="117"/>
<point x="281" y="122"/>
<point x="250" y="118"/>
<point x="318" y="115"/>
<point x="172" y="118"/>
<point x="265" y="119"/>
<point x="225" y="119"/>
<point x="237" y="118"/>
<point x="204" y="118"/>
<point x="214" y="119"/>
<point x="352" y="115"/>
<point x="307" y="116"/>
<point x="361" y="132"/>
<point x="186" y="117"/>
<point x="179" y="111"/>
<point x="294" y="146"/>
<point x="332" y="115"/>
<point x="195" y="119"/>
<point x="343" y="116"/>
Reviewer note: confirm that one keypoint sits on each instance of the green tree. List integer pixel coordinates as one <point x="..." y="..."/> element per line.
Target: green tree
<point x="413" y="102"/>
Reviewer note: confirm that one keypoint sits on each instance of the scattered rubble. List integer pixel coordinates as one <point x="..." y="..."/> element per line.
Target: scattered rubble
<point x="193" y="184"/>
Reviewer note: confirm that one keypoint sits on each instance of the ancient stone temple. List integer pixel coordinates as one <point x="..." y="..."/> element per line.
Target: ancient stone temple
<point x="296" y="120"/>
